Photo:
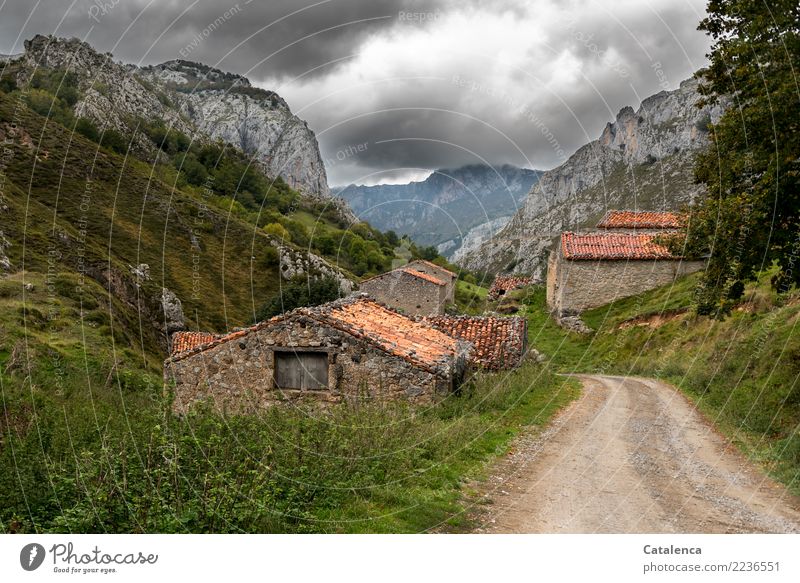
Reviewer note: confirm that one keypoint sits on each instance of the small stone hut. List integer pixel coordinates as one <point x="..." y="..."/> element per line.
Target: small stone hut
<point x="351" y="348"/>
<point x="412" y="292"/>
<point x="437" y="271"/>
<point x="499" y="343"/>
<point x="586" y="270"/>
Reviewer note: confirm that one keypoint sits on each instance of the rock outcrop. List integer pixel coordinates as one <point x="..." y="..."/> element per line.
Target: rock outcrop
<point x="205" y="103"/>
<point x="643" y="159"/>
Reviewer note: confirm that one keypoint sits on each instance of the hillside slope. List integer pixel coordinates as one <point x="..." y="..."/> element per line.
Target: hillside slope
<point x="195" y="99"/>
<point x="77" y="210"/>
<point x="642" y="160"/>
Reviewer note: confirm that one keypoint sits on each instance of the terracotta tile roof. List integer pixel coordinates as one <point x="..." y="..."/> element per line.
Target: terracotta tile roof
<point x="389" y="330"/>
<point x="612" y="246"/>
<point x="407" y="271"/>
<point x="361" y="317"/>
<point x="432" y="265"/>
<point x="499" y="342"/>
<point x="506" y="283"/>
<point x="183" y="341"/>
<point x="421" y="275"/>
<point x="640" y="220"/>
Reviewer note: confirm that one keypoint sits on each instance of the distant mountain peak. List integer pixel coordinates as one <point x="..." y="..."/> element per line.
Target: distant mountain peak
<point x="444" y="207"/>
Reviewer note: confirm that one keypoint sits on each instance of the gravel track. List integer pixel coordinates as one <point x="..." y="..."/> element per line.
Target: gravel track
<point x="631" y="455"/>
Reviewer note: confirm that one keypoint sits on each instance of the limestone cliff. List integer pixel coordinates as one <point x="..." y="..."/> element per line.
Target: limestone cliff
<point x="643" y="159"/>
<point x="205" y="103"/>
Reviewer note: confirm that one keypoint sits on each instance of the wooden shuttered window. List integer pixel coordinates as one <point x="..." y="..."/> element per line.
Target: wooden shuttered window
<point x="301" y="370"/>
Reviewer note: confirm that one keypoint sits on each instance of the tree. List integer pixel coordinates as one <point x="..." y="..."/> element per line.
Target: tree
<point x="300" y="292"/>
<point x="750" y="217"/>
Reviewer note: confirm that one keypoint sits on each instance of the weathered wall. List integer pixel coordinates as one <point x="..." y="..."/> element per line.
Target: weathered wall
<point x="404" y="292"/>
<point x="237" y="375"/>
<point x="574" y="286"/>
<point x="438" y="272"/>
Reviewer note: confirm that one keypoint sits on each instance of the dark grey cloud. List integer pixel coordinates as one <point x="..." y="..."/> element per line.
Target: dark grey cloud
<point x="524" y="82"/>
<point x="238" y="34"/>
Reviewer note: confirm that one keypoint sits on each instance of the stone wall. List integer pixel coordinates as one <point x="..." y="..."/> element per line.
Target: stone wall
<point x="438" y="272"/>
<point x="409" y="294"/>
<point x="575" y="286"/>
<point x="237" y="375"/>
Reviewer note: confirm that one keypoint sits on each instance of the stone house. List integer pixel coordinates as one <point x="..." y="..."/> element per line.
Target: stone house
<point x="439" y="272"/>
<point x="353" y="348"/>
<point x="503" y="284"/>
<point x="499" y="343"/>
<point x="413" y="292"/>
<point x="586" y="270"/>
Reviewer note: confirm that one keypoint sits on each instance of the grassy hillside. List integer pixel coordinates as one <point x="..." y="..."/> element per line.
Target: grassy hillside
<point x="87" y="439"/>
<point x="742" y="372"/>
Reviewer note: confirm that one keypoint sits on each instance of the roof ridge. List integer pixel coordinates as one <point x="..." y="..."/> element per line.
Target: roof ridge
<point x="434" y="265"/>
<point x="325" y="314"/>
<point x="422" y="275"/>
<point x="631" y="246"/>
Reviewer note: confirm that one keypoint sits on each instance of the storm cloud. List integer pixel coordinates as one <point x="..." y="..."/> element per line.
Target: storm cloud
<point x="394" y="89"/>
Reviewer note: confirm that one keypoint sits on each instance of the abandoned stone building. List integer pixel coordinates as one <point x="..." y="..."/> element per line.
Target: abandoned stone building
<point x="499" y="343"/>
<point x="437" y="271"/>
<point x="412" y="292"/>
<point x="503" y="284"/>
<point x="586" y="270"/>
<point x="348" y="349"/>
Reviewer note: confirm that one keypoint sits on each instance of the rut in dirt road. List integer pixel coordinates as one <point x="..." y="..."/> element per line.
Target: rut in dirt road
<point x="633" y="455"/>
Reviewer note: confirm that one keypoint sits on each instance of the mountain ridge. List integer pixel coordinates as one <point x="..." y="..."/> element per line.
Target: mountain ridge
<point x="196" y="99"/>
<point x="643" y="159"/>
<point x="441" y="209"/>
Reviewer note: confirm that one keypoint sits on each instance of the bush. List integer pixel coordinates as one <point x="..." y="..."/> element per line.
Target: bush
<point x="114" y="140"/>
<point x="87" y="129"/>
<point x="300" y="292"/>
<point x="279" y="232"/>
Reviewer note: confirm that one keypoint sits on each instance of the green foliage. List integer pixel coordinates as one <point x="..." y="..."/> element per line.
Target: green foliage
<point x="87" y="129"/>
<point x="114" y="140"/>
<point x="7" y="84"/>
<point x="279" y="232"/>
<point x="428" y="253"/>
<point x="300" y="292"/>
<point x="751" y="215"/>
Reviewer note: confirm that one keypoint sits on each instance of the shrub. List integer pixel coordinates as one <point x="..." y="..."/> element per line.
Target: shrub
<point x="300" y="292"/>
<point x="278" y="231"/>
<point x="87" y="129"/>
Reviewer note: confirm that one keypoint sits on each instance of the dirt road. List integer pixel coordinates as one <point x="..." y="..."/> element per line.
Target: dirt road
<point x="631" y="455"/>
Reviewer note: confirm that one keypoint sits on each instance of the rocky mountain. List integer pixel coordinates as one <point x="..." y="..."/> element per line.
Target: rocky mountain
<point x="444" y="207"/>
<point x="202" y="102"/>
<point x="642" y="160"/>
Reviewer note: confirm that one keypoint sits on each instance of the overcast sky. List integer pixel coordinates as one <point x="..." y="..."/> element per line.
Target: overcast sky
<point x="394" y="89"/>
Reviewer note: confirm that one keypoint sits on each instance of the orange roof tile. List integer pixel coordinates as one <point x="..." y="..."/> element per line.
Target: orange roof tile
<point x="577" y="246"/>
<point x="499" y="342"/>
<point x="421" y="275"/>
<point x="433" y="265"/>
<point x="183" y="341"/>
<point x="361" y="317"/>
<point x="640" y="220"/>
<point x="390" y="330"/>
